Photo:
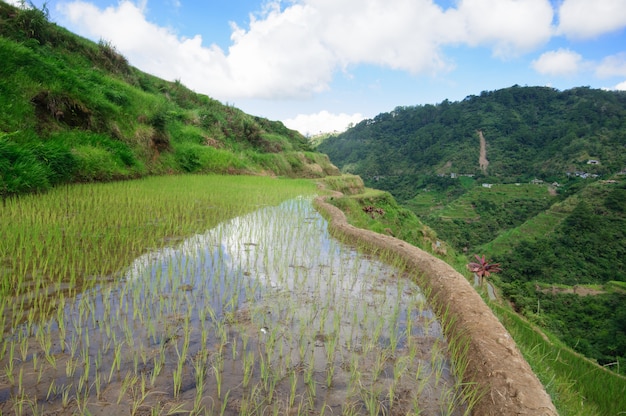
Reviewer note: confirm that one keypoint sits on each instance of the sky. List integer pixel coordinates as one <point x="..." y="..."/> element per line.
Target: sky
<point x="320" y="65"/>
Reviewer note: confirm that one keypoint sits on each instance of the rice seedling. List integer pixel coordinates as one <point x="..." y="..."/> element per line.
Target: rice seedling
<point x="65" y="395"/>
<point x="248" y="368"/>
<point x="331" y="313"/>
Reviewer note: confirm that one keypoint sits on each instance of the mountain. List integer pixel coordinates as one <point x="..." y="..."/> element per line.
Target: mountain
<point x="524" y="133"/>
<point x="531" y="177"/>
<point x="75" y="111"/>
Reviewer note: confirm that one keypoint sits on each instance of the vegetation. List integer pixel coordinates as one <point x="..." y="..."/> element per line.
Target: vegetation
<point x="530" y="132"/>
<point x="577" y="385"/>
<point x="216" y="314"/>
<point x="548" y="205"/>
<point x="482" y="268"/>
<point x="76" y="111"/>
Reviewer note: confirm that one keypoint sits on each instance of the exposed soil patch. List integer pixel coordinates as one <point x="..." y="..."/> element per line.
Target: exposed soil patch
<point x="576" y="290"/>
<point x="482" y="160"/>
<point x="495" y="363"/>
<point x="62" y="108"/>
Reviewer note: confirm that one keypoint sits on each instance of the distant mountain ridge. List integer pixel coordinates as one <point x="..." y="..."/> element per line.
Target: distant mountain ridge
<point x="530" y="132"/>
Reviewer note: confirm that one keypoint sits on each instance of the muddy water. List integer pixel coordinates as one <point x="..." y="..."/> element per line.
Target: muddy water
<point x="264" y="314"/>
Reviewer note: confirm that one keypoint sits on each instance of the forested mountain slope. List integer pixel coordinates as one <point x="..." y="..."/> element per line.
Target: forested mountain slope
<point x="529" y="132"/>
<point x="533" y="178"/>
<point x="74" y="110"/>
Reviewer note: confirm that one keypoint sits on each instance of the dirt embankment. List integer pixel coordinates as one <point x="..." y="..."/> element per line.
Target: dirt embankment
<point x="495" y="363"/>
<point x="482" y="159"/>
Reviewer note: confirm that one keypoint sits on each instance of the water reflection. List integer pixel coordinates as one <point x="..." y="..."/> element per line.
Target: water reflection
<point x="265" y="311"/>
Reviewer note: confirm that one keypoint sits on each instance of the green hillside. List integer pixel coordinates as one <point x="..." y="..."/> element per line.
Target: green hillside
<point x="546" y="197"/>
<point x="75" y="111"/>
<point x="529" y="132"/>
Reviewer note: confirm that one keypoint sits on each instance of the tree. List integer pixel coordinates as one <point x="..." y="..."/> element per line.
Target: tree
<point x="483" y="268"/>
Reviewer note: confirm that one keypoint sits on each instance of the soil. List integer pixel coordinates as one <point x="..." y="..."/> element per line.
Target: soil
<point x="482" y="160"/>
<point x="495" y="363"/>
<point x="576" y="290"/>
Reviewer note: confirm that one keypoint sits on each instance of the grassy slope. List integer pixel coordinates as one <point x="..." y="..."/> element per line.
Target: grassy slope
<point x="76" y="111"/>
<point x="578" y="386"/>
<point x="481" y="214"/>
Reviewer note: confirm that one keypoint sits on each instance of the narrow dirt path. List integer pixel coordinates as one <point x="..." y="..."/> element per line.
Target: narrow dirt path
<point x="495" y="363"/>
<point x="482" y="159"/>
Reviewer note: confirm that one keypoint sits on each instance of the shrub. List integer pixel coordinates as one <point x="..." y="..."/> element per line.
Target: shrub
<point x="58" y="158"/>
<point x="20" y="171"/>
<point x="33" y="22"/>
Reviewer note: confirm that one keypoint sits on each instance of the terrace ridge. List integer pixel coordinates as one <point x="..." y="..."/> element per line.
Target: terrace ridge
<point x="495" y="364"/>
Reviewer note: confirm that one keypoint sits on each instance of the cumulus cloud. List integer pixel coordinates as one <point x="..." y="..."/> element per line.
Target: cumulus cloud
<point x="295" y="50"/>
<point x="621" y="86"/>
<point x="322" y="122"/>
<point x="510" y="26"/>
<point x="588" y="19"/>
<point x="611" y="66"/>
<point x="559" y="62"/>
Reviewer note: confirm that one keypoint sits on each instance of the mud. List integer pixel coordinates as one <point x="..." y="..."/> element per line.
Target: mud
<point x="495" y="364"/>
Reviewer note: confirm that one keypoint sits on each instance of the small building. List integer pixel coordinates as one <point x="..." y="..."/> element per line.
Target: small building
<point x="536" y="181"/>
<point x="487" y="185"/>
<point x="593" y="162"/>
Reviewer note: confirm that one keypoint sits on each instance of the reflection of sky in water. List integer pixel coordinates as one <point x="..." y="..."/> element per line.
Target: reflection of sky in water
<point x="276" y="267"/>
<point x="273" y="257"/>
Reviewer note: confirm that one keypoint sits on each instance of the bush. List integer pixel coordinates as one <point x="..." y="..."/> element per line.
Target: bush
<point x="95" y="164"/>
<point x="198" y="158"/>
<point x="33" y="22"/>
<point x="59" y="159"/>
<point x="20" y="170"/>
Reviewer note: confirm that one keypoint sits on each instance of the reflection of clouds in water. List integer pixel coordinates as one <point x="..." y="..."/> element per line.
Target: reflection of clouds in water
<point x="286" y="248"/>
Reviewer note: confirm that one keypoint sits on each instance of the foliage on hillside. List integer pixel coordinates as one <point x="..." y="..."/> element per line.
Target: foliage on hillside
<point x="569" y="234"/>
<point x="530" y="132"/>
<point x="588" y="246"/>
<point x="74" y="110"/>
<point x="481" y="214"/>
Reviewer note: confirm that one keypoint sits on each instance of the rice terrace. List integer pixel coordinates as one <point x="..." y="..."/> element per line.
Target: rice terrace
<point x="210" y="295"/>
<point x="164" y="252"/>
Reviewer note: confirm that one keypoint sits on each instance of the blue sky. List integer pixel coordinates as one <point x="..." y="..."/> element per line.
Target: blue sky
<point x="318" y="65"/>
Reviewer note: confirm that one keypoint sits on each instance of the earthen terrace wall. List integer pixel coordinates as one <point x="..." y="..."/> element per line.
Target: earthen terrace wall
<point x="495" y="363"/>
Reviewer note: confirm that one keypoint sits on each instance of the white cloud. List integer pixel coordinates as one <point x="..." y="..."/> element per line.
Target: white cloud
<point x="322" y="122"/>
<point x="295" y="50"/>
<point x="611" y="66"/>
<point x="559" y="62"/>
<point x="591" y="18"/>
<point x="510" y="26"/>
<point x="621" y="86"/>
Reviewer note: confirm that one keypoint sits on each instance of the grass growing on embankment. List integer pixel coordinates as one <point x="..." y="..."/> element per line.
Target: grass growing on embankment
<point x="577" y="385"/>
<point x="76" y="111"/>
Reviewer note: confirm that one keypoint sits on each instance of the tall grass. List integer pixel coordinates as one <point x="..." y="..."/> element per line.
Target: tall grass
<point x="577" y="385"/>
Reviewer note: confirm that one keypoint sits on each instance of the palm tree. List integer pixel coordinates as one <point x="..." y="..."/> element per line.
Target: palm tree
<point x="483" y="268"/>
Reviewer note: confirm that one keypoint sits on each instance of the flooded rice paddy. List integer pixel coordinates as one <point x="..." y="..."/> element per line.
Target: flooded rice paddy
<point x="263" y="314"/>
